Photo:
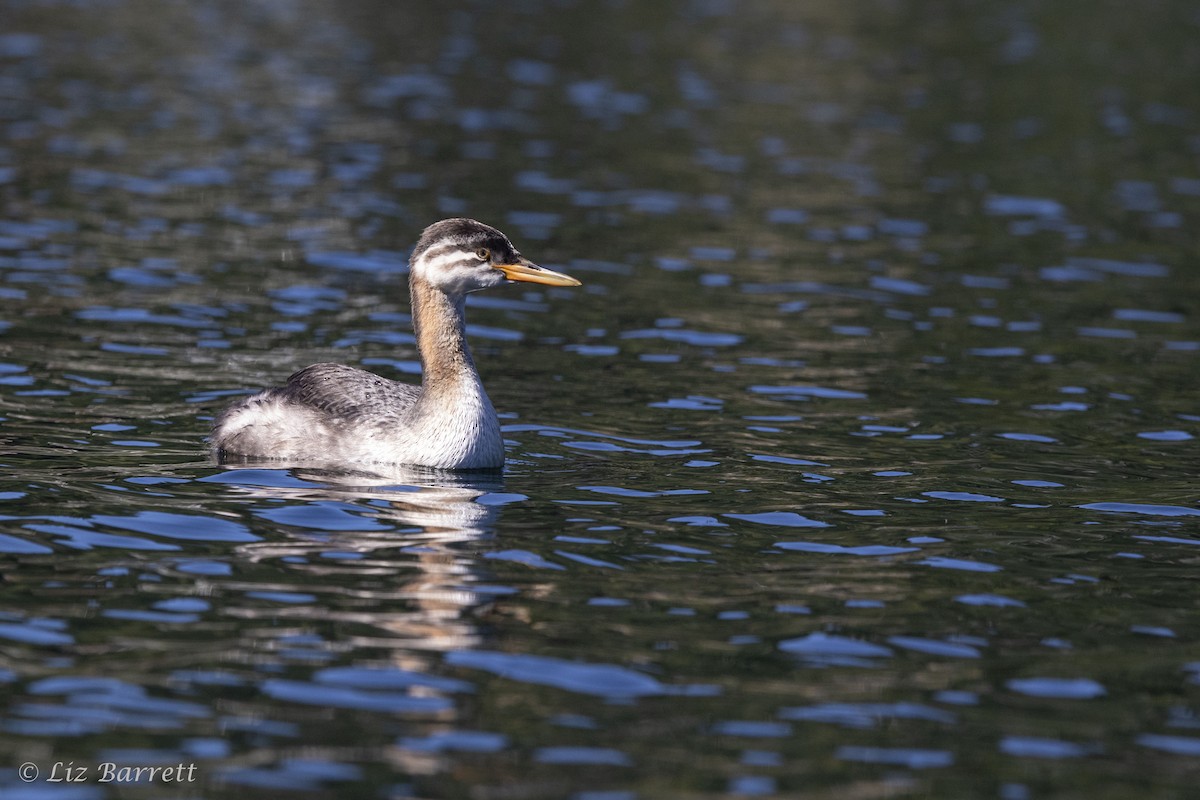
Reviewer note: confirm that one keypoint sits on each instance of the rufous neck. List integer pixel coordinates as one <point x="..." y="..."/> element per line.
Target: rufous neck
<point x="440" y="328"/>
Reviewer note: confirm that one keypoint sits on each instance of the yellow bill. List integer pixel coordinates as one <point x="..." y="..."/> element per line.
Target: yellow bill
<point x="531" y="273"/>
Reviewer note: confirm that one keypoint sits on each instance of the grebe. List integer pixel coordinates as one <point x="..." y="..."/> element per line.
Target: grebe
<point x="332" y="414"/>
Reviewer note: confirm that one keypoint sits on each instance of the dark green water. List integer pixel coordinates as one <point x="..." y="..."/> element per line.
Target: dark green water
<point x="863" y="465"/>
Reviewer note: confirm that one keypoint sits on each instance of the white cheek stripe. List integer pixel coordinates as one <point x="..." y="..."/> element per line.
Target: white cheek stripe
<point x="445" y="261"/>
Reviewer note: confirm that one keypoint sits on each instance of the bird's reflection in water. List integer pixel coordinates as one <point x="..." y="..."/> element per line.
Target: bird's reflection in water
<point x="396" y="541"/>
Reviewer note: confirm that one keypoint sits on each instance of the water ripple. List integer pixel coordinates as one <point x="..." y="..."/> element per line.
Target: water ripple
<point x="1148" y="509"/>
<point x="604" y="680"/>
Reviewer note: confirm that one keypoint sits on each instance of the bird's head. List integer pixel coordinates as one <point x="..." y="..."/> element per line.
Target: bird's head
<point x="461" y="255"/>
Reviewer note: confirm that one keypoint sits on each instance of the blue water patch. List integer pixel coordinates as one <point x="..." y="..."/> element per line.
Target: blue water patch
<point x="582" y="756"/>
<point x="134" y="349"/>
<point x="935" y="647"/>
<point x="740" y="786"/>
<point x="290" y="598"/>
<point x="787" y="216"/>
<point x="994" y="600"/>
<point x="866" y="715"/>
<point x="80" y="537"/>
<point x="966" y="497"/>
<point x="1040" y="747"/>
<point x="1067" y="405"/>
<point x="93" y="180"/>
<point x="378" y="261"/>
<point x="183" y="604"/>
<point x="274" y="478"/>
<point x="43" y="633"/>
<point x="493" y="333"/>
<point x="389" y="678"/>
<point x="1175" y="745"/>
<point x="322" y="515"/>
<point x="1153" y="630"/>
<point x="200" y="176"/>
<point x="1149" y="509"/>
<point x="293" y="774"/>
<point x="534" y="224"/>
<point x="594" y="350"/>
<point x="404" y="366"/>
<point x="603" y="680"/>
<point x="1028" y="437"/>
<point x="292" y="178"/>
<point x="691" y="403"/>
<point x="752" y="729"/>
<point x="827" y="645"/>
<point x="805" y="391"/>
<point x="589" y="561"/>
<point x="18" y="546"/>
<point x="536" y="180"/>
<point x="355" y="338"/>
<point x="386" y="702"/>
<point x="700" y="521"/>
<point x="1068" y="273"/>
<point x="20" y="45"/>
<point x="912" y="758"/>
<point x="899" y="286"/>
<point x="180" y="526"/>
<point x="787" y="519"/>
<point x="207" y="568"/>
<point x="525" y="557"/>
<point x="500" y="498"/>
<point x="942" y="562"/>
<point x="1016" y="206"/>
<point x="135" y="276"/>
<point x="117" y="695"/>
<point x="1060" y="688"/>
<point x="455" y="741"/>
<point x="855" y="550"/>
<point x="1147" y="315"/>
<point x="623" y="492"/>
<point x="617" y="490"/>
<point x="143" y="615"/>
<point x="1166" y="436"/>
<point x="683" y="336"/>
<point x="1132" y="269"/>
<point x="666" y="448"/>
<point x="903" y="228"/>
<point x="141" y="316"/>
<point x="997" y="352"/>
<point x="598" y="99"/>
<point x="799" y="462"/>
<point x="1097" y="332"/>
<point x="303" y="299"/>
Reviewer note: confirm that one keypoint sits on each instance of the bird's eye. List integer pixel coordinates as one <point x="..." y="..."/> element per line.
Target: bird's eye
<point x="483" y="253"/>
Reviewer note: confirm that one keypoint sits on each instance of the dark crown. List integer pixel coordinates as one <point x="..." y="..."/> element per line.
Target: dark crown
<point x="465" y="233"/>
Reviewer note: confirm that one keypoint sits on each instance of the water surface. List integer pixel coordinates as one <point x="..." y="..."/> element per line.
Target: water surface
<point x="863" y="464"/>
